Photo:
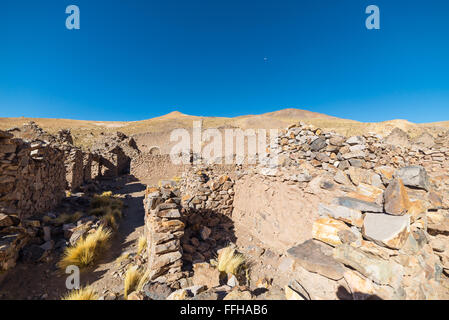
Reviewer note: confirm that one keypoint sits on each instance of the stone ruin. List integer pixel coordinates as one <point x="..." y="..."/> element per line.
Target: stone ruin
<point x="37" y="168"/>
<point x="368" y="217"/>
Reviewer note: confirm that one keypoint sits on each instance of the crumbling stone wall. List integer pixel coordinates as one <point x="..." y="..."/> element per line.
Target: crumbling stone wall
<point x="323" y="149"/>
<point x="74" y="164"/>
<point x="32" y="181"/>
<point x="207" y="199"/>
<point x="377" y="223"/>
<point x="32" y="176"/>
<point x="88" y="162"/>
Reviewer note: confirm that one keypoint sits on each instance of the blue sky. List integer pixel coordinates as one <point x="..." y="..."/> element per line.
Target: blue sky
<point x="137" y="59"/>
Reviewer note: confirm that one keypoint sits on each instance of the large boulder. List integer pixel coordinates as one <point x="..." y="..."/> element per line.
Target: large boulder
<point x="414" y="176"/>
<point x="386" y="230"/>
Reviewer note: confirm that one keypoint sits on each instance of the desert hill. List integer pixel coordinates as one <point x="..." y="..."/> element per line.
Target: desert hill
<point x="156" y="131"/>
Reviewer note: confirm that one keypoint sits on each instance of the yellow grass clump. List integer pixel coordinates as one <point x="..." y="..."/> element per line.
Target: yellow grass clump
<point x="86" y="250"/>
<point x="141" y="244"/>
<point x="229" y="261"/>
<point x="108" y="208"/>
<point x="106" y="194"/>
<point x="143" y="280"/>
<point x="106" y="199"/>
<point x="85" y="293"/>
<point x="132" y="278"/>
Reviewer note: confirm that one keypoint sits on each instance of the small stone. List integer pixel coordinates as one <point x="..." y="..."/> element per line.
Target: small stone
<point x="232" y="281"/>
<point x="157" y="291"/>
<point x="341" y="178"/>
<point x="238" y="295"/>
<point x="355" y="140"/>
<point x="205" y="274"/>
<point x="318" y="144"/>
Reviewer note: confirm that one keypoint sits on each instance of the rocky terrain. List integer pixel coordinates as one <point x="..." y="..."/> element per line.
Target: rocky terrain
<point x="338" y="216"/>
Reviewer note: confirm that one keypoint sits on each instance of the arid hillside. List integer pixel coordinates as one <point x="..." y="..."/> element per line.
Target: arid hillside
<point x="156" y="131"/>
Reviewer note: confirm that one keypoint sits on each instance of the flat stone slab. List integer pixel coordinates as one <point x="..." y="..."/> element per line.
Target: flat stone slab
<point x="348" y="215"/>
<point x="380" y="271"/>
<point x="386" y="230"/>
<point x="317" y="258"/>
<point x="360" y="205"/>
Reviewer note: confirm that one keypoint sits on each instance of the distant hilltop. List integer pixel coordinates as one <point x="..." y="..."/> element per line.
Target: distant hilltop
<point x="158" y="129"/>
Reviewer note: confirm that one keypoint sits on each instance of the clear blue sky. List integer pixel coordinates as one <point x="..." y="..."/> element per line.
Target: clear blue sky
<point x="137" y="59"/>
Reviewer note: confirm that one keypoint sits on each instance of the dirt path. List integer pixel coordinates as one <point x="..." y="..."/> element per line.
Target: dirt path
<point x="46" y="281"/>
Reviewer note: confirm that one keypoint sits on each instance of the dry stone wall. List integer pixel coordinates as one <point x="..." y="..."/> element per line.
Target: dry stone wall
<point x="380" y="212"/>
<point x="323" y="149"/>
<point x="164" y="228"/>
<point x="32" y="181"/>
<point x="36" y="168"/>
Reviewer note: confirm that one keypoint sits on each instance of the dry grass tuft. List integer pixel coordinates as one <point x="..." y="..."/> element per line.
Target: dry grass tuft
<point x="229" y="261"/>
<point x="132" y="279"/>
<point x="86" y="293"/>
<point x="141" y="244"/>
<point x="108" y="208"/>
<point x="86" y="250"/>
<point x="143" y="280"/>
<point x="106" y="200"/>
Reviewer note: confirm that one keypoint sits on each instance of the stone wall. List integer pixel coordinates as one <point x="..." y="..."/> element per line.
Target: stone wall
<point x="379" y="219"/>
<point x="385" y="239"/>
<point x="32" y="176"/>
<point x="156" y="166"/>
<point x="323" y="149"/>
<point x="74" y="163"/>
<point x="164" y="228"/>
<point x="32" y="181"/>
